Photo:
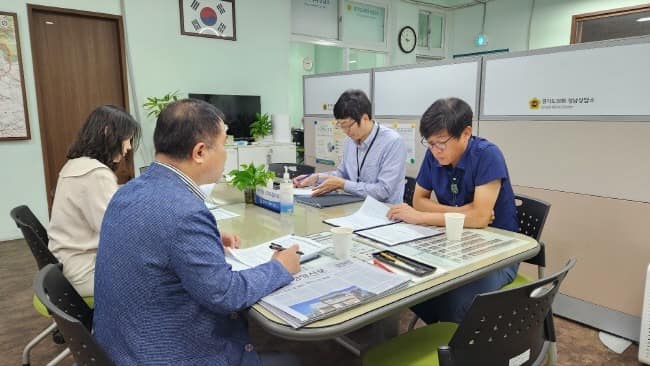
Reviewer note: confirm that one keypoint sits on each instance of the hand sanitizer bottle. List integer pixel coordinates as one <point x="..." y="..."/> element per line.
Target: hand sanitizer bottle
<point x="286" y="193"/>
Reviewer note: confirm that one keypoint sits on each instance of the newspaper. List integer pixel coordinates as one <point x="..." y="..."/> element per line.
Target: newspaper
<point x="330" y="289"/>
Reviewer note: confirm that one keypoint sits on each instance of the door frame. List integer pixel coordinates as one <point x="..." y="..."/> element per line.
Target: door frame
<point x="31" y="8"/>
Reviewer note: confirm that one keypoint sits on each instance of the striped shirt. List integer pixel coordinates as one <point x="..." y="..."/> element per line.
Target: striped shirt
<point x="189" y="183"/>
<point x="381" y="176"/>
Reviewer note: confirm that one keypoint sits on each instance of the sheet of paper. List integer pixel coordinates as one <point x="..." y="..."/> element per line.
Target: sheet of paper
<point x="220" y="213"/>
<point x="372" y="213"/>
<point x="306" y="191"/>
<point x="261" y="253"/>
<point x="399" y="233"/>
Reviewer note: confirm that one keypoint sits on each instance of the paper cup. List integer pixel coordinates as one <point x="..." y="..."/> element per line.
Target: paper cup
<point x="342" y="242"/>
<point x="454" y="225"/>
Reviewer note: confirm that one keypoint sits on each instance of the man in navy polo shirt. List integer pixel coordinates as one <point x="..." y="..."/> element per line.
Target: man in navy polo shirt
<point x="466" y="174"/>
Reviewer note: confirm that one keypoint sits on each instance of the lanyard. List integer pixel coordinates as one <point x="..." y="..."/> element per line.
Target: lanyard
<point x="359" y="167"/>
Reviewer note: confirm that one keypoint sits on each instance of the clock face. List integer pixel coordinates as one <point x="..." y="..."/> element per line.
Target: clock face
<point x="407" y="39"/>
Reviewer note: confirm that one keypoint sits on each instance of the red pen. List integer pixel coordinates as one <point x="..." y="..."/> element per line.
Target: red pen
<point x="381" y="265"/>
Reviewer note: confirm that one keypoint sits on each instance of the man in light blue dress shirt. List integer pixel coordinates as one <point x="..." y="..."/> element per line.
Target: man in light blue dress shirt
<point x="374" y="158"/>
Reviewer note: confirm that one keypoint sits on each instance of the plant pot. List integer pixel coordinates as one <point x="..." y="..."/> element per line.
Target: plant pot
<point x="249" y="195"/>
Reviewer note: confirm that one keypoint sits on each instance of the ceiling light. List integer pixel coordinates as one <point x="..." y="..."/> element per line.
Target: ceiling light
<point x="352" y="61"/>
<point x="646" y="19"/>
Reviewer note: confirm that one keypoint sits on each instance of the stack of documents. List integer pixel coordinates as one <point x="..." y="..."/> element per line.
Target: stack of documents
<point x="335" y="287"/>
<point x="371" y="221"/>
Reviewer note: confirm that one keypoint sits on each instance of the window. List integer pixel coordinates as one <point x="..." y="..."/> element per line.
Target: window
<point x="611" y="24"/>
<point x="358" y="24"/>
<point x="430" y="34"/>
<point x="360" y="59"/>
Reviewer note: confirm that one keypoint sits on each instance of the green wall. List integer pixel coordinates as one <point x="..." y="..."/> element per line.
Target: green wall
<point x="507" y="21"/>
<point x="298" y="51"/>
<point x="162" y="60"/>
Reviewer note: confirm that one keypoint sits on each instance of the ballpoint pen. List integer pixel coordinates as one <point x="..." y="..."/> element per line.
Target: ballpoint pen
<point x="400" y="263"/>
<point x="381" y="265"/>
<point x="276" y="246"/>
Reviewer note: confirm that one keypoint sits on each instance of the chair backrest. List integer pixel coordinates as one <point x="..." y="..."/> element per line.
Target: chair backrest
<point x="503" y="324"/>
<point x="35" y="235"/>
<point x="294" y="169"/>
<point x="532" y="214"/>
<point x="71" y="314"/>
<point x="409" y="189"/>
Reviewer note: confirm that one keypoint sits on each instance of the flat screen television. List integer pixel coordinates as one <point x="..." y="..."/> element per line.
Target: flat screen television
<point x="239" y="110"/>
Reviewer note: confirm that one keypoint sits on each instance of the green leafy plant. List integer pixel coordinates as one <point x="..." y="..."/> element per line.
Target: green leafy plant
<point x="261" y="127"/>
<point x="250" y="176"/>
<point x="155" y="105"/>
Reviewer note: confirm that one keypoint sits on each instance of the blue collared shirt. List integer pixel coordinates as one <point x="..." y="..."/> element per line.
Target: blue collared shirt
<point x="382" y="174"/>
<point x="481" y="163"/>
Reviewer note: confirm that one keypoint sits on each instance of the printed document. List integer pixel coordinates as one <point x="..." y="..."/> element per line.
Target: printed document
<point x="399" y="233"/>
<point x="260" y="254"/>
<point x="371" y="214"/>
<point x="330" y="289"/>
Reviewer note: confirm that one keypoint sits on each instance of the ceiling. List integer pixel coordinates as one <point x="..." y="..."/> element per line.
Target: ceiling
<point x="450" y="4"/>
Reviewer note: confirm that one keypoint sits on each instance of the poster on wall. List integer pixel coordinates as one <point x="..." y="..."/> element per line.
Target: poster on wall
<point x="330" y="142"/>
<point x="315" y="18"/>
<point x="208" y="18"/>
<point x="14" y="123"/>
<point x="407" y="133"/>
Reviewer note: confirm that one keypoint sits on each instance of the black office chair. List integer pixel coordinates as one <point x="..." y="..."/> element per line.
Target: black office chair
<point x="73" y="317"/>
<point x="532" y="214"/>
<point x="499" y="327"/>
<point x="36" y="237"/>
<point x="294" y="169"/>
<point x="409" y="189"/>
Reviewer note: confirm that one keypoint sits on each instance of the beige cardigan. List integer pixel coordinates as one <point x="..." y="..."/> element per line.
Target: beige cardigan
<point x="84" y="188"/>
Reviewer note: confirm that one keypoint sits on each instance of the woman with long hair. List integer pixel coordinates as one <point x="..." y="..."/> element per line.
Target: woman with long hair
<point x="86" y="184"/>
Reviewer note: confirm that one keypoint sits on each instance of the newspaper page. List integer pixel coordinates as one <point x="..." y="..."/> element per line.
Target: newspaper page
<point x="330" y="289"/>
<point x="371" y="214"/>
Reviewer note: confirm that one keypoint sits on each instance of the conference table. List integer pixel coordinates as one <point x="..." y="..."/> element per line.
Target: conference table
<point x="257" y="225"/>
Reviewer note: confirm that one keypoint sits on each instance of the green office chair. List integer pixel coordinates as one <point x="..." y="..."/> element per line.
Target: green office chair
<point x="502" y="327"/>
<point x="36" y="237"/>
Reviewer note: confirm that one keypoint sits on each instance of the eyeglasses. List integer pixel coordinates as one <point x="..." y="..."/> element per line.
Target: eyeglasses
<point x="344" y="124"/>
<point x="438" y="145"/>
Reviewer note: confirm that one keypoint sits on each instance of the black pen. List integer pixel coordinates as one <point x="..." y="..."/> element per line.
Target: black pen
<point x="276" y="246"/>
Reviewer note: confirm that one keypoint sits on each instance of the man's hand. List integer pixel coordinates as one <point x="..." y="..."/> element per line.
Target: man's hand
<point x="305" y="180"/>
<point x="289" y="259"/>
<point x="405" y="213"/>
<point x="330" y="184"/>
<point x="230" y="240"/>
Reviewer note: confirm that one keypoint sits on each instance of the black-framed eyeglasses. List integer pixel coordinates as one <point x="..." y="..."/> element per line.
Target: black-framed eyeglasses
<point x="438" y="145"/>
<point x="344" y="124"/>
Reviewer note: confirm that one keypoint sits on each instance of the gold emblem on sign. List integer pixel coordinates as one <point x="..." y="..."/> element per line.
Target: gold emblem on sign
<point x="534" y="103"/>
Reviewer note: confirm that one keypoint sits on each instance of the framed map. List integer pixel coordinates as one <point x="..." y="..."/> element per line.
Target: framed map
<point x="14" y="122"/>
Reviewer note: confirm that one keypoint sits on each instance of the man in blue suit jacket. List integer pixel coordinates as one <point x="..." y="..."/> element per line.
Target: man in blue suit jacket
<point x="163" y="291"/>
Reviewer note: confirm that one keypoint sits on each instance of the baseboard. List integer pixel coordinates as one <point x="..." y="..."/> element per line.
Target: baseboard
<point x="597" y="316"/>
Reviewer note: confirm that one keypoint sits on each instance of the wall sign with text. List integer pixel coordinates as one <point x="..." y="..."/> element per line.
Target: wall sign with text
<point x="208" y="18"/>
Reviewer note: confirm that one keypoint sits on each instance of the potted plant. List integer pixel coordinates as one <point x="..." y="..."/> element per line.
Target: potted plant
<point x="261" y="127"/>
<point x="155" y="105"/>
<point x="248" y="177"/>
